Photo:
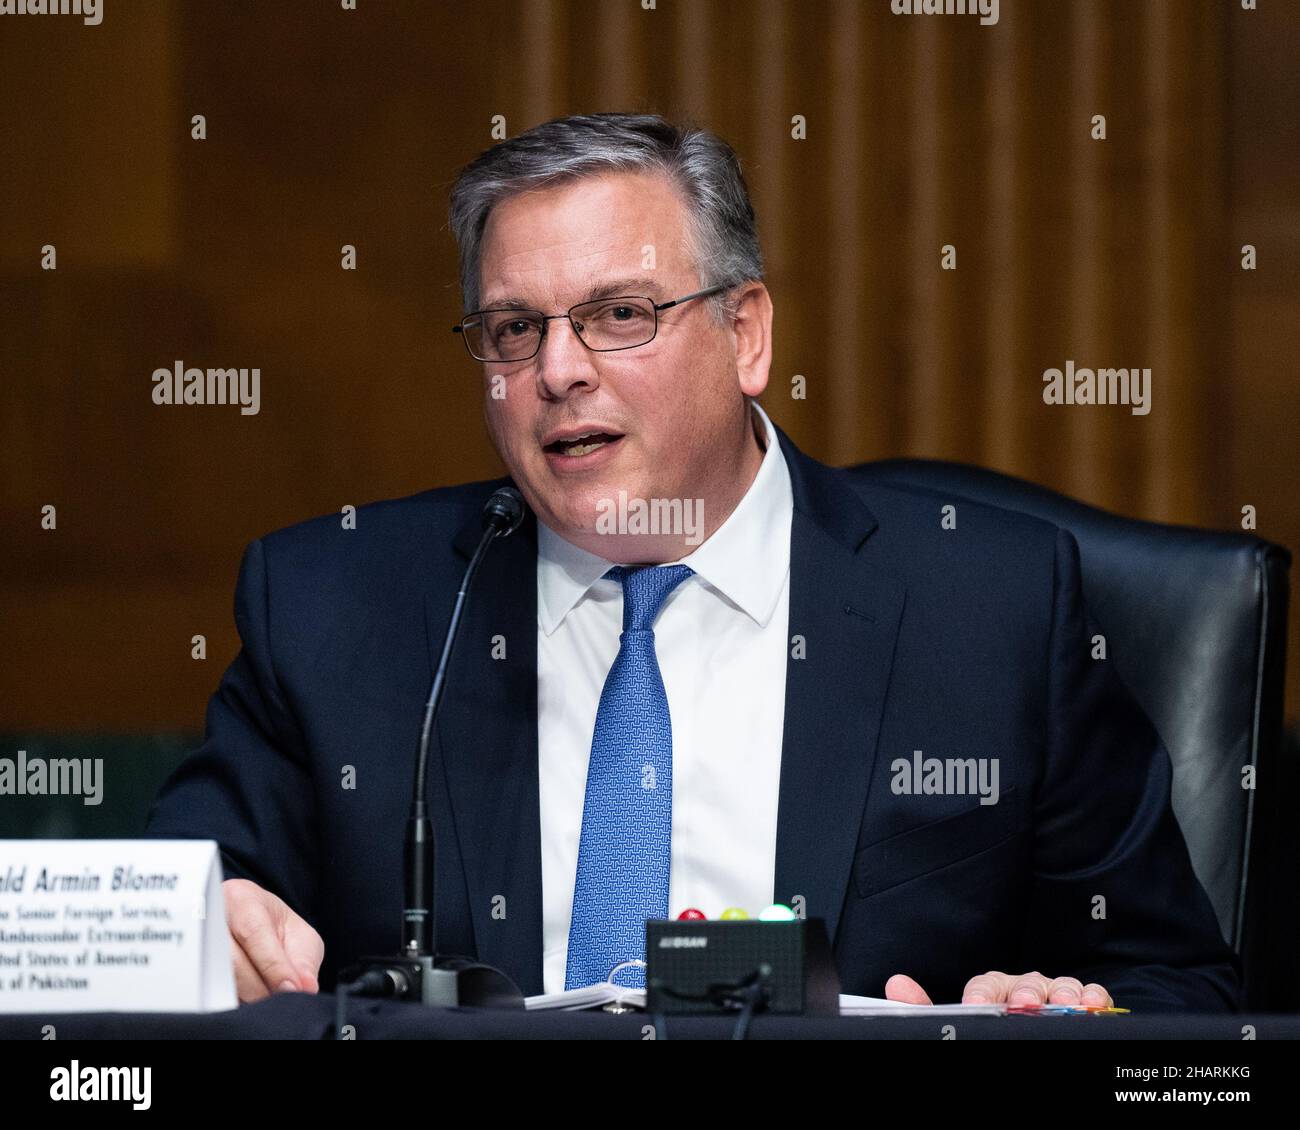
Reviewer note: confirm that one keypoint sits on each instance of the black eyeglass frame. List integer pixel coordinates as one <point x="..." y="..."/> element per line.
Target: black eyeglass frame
<point x="459" y="327"/>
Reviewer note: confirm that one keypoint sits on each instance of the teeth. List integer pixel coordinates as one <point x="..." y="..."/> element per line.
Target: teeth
<point x="574" y="447"/>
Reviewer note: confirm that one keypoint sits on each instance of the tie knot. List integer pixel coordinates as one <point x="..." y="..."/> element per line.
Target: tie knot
<point x="644" y="591"/>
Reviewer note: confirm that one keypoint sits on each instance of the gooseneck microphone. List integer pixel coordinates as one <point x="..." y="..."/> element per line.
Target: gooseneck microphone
<point x="416" y="973"/>
<point x="502" y="514"/>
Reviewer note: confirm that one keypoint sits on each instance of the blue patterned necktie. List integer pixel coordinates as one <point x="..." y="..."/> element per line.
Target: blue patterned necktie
<point x="627" y="817"/>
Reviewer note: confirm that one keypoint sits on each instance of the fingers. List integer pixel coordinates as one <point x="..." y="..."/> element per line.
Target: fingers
<point x="1028" y="988"/>
<point x="249" y="986"/>
<point x="1097" y="994"/>
<point x="305" y="950"/>
<point x="1018" y="990"/>
<point x="256" y="920"/>
<point x="996" y="987"/>
<point x="1065" y="990"/>
<point x="901" y="987"/>
<point x="257" y="932"/>
<point x="987" y="988"/>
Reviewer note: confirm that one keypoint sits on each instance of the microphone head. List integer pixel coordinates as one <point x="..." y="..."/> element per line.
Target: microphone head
<point x="504" y="511"/>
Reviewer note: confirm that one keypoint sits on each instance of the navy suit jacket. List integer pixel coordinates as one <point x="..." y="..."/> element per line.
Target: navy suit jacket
<point x="961" y="643"/>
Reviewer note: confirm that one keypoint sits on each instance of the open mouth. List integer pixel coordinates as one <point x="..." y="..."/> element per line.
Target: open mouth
<point x="574" y="447"/>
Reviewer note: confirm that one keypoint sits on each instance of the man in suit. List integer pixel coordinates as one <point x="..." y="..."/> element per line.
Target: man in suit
<point x="707" y="672"/>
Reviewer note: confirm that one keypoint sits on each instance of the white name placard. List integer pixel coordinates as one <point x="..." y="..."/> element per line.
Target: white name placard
<point x="113" y="926"/>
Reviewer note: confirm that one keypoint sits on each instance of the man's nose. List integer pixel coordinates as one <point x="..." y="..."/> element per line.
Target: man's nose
<point x="563" y="362"/>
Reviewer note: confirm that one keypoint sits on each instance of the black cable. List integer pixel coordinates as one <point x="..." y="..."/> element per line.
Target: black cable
<point x="747" y="995"/>
<point x="755" y="995"/>
<point x="375" y="983"/>
<point x="340" y="1007"/>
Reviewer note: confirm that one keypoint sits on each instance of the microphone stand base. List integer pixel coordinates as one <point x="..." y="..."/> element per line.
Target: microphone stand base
<point x="442" y="982"/>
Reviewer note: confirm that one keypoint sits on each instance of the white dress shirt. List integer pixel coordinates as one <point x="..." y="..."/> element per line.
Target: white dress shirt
<point x="721" y="639"/>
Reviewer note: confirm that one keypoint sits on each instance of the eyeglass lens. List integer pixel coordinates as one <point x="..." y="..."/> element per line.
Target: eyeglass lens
<point x="604" y="324"/>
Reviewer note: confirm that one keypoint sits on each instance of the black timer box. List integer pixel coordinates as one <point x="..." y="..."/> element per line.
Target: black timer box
<point x="690" y="965"/>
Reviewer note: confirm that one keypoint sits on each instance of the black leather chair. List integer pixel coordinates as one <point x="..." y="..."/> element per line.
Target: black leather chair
<point x="1195" y="621"/>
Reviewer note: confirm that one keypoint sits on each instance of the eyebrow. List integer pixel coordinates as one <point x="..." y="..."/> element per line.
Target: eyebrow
<point x="632" y="285"/>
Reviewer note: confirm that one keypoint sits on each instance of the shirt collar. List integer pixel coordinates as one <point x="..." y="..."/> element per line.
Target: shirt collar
<point x="746" y="560"/>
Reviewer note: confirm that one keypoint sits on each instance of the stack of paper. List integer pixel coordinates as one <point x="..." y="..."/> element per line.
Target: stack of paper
<point x="603" y="993"/>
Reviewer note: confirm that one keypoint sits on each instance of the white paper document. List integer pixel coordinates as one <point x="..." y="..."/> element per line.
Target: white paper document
<point x="603" y="993"/>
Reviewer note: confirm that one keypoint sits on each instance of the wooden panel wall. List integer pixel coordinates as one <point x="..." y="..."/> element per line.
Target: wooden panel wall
<point x="328" y="127"/>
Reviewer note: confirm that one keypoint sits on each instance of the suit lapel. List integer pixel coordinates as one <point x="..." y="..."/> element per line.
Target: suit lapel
<point x="847" y="609"/>
<point x="487" y="740"/>
<point x="845" y="606"/>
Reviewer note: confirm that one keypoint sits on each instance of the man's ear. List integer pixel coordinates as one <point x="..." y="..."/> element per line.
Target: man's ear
<point x="751" y="328"/>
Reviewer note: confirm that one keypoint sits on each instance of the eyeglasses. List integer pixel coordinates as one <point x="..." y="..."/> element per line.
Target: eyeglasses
<point x="602" y="325"/>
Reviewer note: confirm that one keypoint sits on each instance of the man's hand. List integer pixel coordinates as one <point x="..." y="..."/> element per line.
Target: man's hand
<point x="274" y="950"/>
<point x="1007" y="988"/>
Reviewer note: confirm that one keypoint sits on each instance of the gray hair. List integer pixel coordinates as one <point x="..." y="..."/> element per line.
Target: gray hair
<point x="721" y="236"/>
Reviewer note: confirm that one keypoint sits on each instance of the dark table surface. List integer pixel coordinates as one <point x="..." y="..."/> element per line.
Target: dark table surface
<point x="298" y="1016"/>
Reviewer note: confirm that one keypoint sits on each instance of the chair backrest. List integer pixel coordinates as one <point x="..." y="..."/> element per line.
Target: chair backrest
<point x="1195" y="622"/>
